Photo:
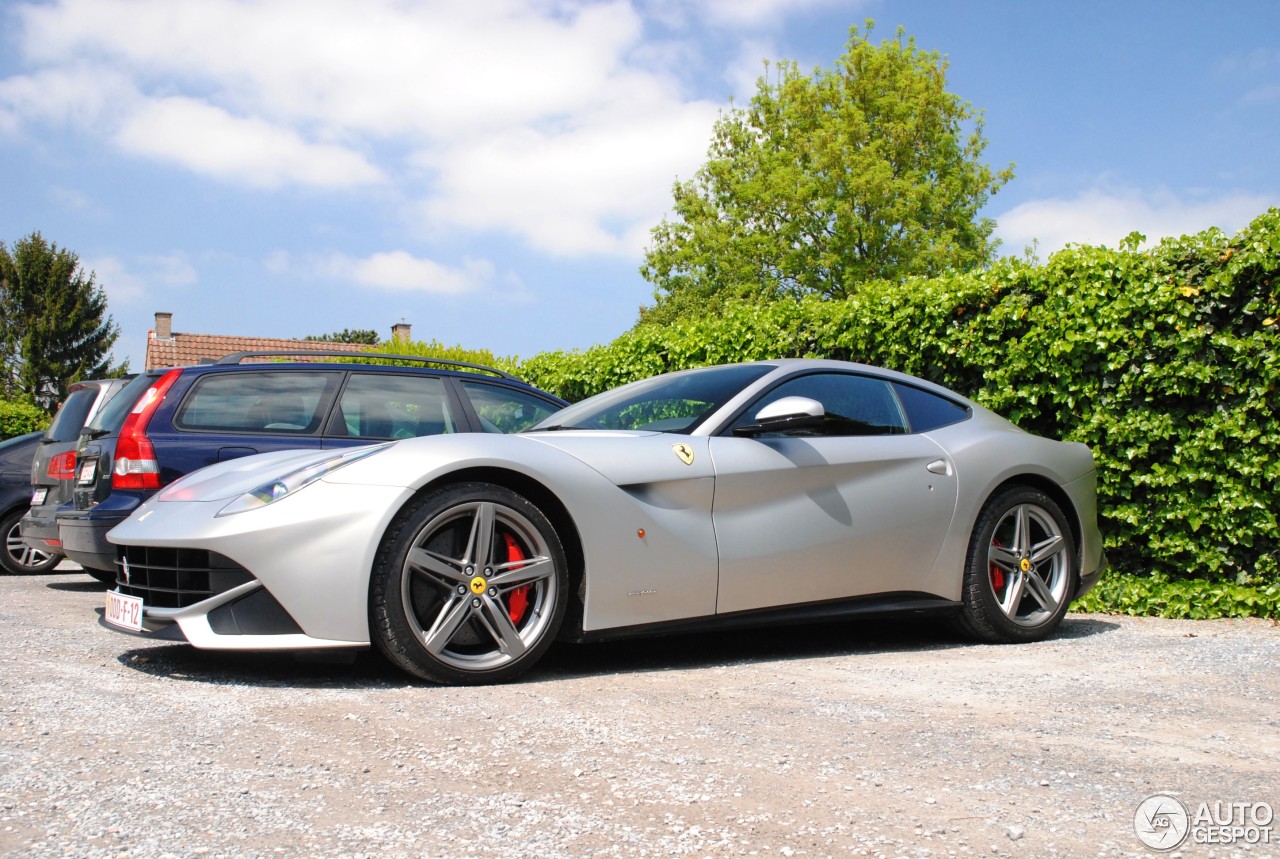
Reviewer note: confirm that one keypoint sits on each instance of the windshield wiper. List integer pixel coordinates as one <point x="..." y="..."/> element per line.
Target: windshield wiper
<point x="561" y="428"/>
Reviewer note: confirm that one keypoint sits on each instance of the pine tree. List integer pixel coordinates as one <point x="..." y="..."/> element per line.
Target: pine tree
<point x="54" y="325"/>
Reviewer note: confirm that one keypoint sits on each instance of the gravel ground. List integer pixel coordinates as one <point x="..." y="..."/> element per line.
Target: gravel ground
<point x="886" y="739"/>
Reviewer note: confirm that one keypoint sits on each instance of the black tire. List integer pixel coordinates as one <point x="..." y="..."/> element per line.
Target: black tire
<point x="19" y="559"/>
<point x="107" y="577"/>
<point x="1021" y="570"/>
<point x="469" y="586"/>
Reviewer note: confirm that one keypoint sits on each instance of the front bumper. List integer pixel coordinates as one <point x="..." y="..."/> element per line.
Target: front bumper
<point x="311" y="553"/>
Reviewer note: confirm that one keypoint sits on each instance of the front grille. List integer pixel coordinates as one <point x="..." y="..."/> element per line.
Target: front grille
<point x="175" y="578"/>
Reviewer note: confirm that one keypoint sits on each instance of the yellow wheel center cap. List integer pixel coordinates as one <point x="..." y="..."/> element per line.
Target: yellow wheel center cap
<point x="1026" y="567"/>
<point x="478" y="585"/>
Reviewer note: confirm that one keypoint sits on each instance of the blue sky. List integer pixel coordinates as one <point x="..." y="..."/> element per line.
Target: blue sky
<point x="489" y="171"/>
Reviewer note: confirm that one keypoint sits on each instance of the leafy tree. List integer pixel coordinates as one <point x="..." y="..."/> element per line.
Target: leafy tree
<point x="865" y="171"/>
<point x="54" y="325"/>
<point x="349" y="335"/>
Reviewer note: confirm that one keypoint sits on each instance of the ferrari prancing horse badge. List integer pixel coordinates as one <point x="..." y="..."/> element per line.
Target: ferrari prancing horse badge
<point x="684" y="452"/>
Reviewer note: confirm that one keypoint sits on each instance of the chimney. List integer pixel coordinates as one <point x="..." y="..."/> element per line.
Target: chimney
<point x="400" y="331"/>
<point x="164" y="326"/>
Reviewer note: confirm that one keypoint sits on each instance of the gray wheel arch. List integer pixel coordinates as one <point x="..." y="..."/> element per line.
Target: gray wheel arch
<point x="1054" y="491"/>
<point x="552" y="507"/>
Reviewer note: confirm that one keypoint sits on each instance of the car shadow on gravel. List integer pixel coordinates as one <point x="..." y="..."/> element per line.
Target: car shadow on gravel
<point x="87" y="586"/>
<point x="773" y="644"/>
<point x="366" y="669"/>
<point x="313" y="670"/>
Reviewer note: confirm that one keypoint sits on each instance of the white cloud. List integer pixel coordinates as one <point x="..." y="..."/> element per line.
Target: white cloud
<point x="116" y="281"/>
<point x="209" y="140"/>
<point x="400" y="271"/>
<point x="380" y="66"/>
<point x="74" y="200"/>
<point x="1105" y="216"/>
<point x="759" y="14"/>
<point x="747" y="67"/>
<point x="278" y="262"/>
<point x="129" y="282"/>
<point x="739" y="15"/>
<point x="76" y="94"/>
<point x="591" y="189"/>
<point x="546" y="120"/>
<point x="171" y="269"/>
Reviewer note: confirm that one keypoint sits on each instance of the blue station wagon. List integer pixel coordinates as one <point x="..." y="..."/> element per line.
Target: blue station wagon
<point x="168" y="423"/>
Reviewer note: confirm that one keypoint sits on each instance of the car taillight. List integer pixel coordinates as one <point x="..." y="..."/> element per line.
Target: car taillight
<point x="136" y="466"/>
<point x="62" y="466"/>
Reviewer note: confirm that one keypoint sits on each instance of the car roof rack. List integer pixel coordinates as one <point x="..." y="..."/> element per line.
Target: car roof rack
<point x="237" y="357"/>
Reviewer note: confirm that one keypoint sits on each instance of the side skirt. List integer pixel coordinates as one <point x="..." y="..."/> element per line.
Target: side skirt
<point x="895" y="603"/>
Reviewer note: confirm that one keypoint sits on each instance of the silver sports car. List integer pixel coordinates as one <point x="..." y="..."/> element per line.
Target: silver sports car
<point x="758" y="493"/>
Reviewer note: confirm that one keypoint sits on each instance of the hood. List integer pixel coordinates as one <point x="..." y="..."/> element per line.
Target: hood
<point x="233" y="478"/>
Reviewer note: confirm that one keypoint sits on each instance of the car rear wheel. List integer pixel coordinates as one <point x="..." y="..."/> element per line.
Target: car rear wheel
<point x="18" y="558"/>
<point x="469" y="586"/>
<point x="1021" y="569"/>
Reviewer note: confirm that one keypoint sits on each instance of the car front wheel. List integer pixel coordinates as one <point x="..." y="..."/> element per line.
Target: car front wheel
<point x="469" y="586"/>
<point x="1021" y="569"/>
<point x="18" y="558"/>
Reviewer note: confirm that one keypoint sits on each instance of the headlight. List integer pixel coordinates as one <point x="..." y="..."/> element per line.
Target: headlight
<point x="287" y="484"/>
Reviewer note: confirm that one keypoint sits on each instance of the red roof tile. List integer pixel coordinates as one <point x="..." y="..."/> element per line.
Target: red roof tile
<point x="185" y="350"/>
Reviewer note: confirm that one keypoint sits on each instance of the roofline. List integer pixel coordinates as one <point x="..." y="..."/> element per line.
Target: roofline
<point x="237" y="357"/>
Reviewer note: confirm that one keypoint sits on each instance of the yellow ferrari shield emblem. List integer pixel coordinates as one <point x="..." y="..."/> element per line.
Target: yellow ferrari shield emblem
<point x="1026" y="565"/>
<point x="478" y="584"/>
<point x="684" y="452"/>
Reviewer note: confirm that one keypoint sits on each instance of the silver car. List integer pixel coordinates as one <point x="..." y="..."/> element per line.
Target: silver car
<point x="770" y="492"/>
<point x="53" y="469"/>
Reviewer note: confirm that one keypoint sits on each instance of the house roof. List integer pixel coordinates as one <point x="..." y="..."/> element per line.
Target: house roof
<point x="185" y="350"/>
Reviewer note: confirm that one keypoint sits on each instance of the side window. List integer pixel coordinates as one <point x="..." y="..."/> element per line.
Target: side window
<point x="928" y="411"/>
<point x="503" y="409"/>
<point x="385" y="405"/>
<point x="286" y="403"/>
<point x="855" y="405"/>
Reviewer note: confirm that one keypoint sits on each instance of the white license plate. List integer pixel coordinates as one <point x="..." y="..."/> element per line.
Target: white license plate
<point x="88" y="469"/>
<point x="124" y="611"/>
<point x="37" y="497"/>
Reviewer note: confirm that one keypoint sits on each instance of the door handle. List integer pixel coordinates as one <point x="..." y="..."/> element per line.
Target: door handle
<point x="939" y="466"/>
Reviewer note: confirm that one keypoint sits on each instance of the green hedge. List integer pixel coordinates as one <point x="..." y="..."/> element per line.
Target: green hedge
<point x="1164" y="361"/>
<point x="1188" y="599"/>
<point x="20" y="418"/>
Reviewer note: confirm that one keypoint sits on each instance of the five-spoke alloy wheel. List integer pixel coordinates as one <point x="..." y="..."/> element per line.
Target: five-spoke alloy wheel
<point x="469" y="585"/>
<point x="19" y="558"/>
<point x="1021" y="569"/>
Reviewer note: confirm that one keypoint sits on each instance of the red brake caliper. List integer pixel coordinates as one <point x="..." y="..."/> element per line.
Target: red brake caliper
<point x="518" y="601"/>
<point x="997" y="574"/>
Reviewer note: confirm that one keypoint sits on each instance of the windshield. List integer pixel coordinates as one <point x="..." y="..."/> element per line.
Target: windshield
<point x="674" y="403"/>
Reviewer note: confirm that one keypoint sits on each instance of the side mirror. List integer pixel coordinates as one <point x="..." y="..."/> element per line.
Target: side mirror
<point x="788" y="413"/>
